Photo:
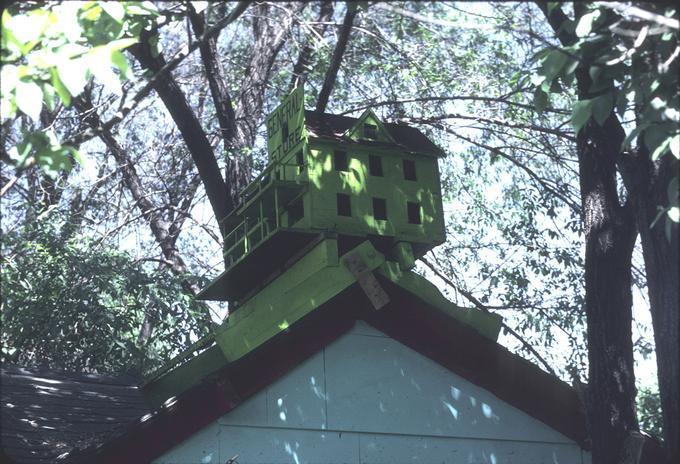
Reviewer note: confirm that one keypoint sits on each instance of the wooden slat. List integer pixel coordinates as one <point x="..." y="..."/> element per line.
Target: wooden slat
<point x="367" y="281"/>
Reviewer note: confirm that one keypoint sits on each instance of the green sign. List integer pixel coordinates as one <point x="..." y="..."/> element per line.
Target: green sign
<point x="285" y="125"/>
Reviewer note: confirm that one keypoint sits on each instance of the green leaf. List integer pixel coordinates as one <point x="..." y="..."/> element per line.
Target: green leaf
<point x="552" y="5"/>
<point x="120" y="62"/>
<point x="54" y="160"/>
<point x="625" y="145"/>
<point x="114" y="9"/>
<point x="602" y="107"/>
<point x="553" y="64"/>
<point x="20" y="153"/>
<point x="661" y="149"/>
<point x="50" y="96"/>
<point x="29" y="99"/>
<point x="585" y="24"/>
<point x="581" y="114"/>
<point x="540" y="100"/>
<point x="537" y="79"/>
<point x="99" y="62"/>
<point x="654" y="136"/>
<point x="514" y="79"/>
<point x="73" y="73"/>
<point x="92" y="13"/>
<point x="568" y="70"/>
<point x="8" y="107"/>
<point x="674" y="213"/>
<point x="121" y="44"/>
<point x="60" y="88"/>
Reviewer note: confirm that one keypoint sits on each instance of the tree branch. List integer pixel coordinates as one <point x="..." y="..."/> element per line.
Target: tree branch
<point x="340" y="46"/>
<point x="190" y="128"/>
<point x="221" y="100"/>
<point x="159" y="75"/>
<point x="159" y="228"/>
<point x="301" y="67"/>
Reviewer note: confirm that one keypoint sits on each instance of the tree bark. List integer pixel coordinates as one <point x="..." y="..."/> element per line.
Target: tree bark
<point x="610" y="237"/>
<point x="338" y="52"/>
<point x="223" y="105"/>
<point x="610" y="231"/>
<point x="662" y="265"/>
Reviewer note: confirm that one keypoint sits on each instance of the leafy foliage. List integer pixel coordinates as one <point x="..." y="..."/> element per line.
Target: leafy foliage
<point x="49" y="55"/>
<point x="79" y="306"/>
<point x="633" y="71"/>
<point x="649" y="410"/>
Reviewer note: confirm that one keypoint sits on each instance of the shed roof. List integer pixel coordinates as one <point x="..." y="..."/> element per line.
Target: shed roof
<point x="112" y="404"/>
<point x="408" y="138"/>
<point x="47" y="413"/>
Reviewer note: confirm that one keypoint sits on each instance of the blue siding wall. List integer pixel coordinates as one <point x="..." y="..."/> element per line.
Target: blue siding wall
<point x="369" y="399"/>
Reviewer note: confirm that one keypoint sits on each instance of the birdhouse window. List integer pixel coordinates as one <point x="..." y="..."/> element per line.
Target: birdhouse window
<point x="413" y="211"/>
<point x="410" y="170"/>
<point x="370" y="131"/>
<point x="344" y="205"/>
<point x="340" y="161"/>
<point x="375" y="165"/>
<point x="284" y="132"/>
<point x="380" y="209"/>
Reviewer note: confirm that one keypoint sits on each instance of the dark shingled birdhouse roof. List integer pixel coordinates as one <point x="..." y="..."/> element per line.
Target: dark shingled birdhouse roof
<point x="407" y="138"/>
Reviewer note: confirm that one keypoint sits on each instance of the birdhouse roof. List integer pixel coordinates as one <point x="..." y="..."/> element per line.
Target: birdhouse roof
<point x="335" y="127"/>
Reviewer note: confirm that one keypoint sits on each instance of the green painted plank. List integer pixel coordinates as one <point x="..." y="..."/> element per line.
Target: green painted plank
<point x="488" y="325"/>
<point x="183" y="377"/>
<point x="308" y="284"/>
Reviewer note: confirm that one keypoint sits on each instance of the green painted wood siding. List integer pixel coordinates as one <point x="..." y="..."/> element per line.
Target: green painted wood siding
<point x="362" y="187"/>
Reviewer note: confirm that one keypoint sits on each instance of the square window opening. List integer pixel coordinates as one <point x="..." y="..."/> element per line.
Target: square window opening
<point x="413" y="212"/>
<point x="370" y="131"/>
<point x="340" y="161"/>
<point x="380" y="209"/>
<point x="344" y="205"/>
<point x="375" y="165"/>
<point x="409" y="170"/>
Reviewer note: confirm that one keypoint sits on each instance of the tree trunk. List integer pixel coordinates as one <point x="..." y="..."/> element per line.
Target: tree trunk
<point x="338" y="52"/>
<point x="610" y="236"/>
<point x="223" y="106"/>
<point x="662" y="266"/>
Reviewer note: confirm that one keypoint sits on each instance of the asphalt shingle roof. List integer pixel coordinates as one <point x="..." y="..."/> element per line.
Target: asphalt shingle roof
<point x="406" y="137"/>
<point x="47" y="413"/>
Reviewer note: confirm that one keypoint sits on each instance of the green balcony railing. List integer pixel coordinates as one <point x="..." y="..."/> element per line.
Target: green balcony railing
<point x="261" y="209"/>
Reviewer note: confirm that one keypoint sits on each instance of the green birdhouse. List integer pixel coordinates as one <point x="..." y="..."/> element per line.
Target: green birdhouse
<point x="352" y="179"/>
